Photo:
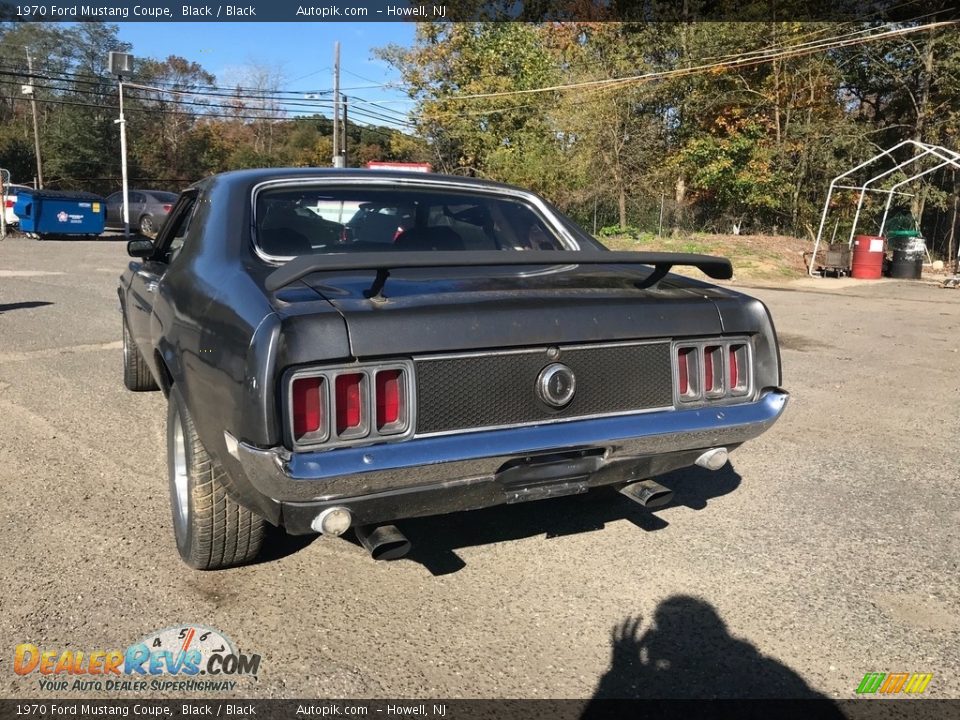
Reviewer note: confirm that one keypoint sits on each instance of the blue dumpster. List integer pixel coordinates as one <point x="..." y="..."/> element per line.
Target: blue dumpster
<point x="55" y="212"/>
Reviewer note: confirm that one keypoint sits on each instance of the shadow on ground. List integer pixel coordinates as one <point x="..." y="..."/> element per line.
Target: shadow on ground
<point x="278" y="544"/>
<point x="687" y="653"/>
<point x="435" y="539"/>
<point x="24" y="305"/>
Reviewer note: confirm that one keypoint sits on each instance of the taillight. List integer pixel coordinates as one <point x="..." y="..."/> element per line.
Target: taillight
<point x="687" y="366"/>
<point x="331" y="407"/>
<point x="167" y="208"/>
<point x="713" y="370"/>
<point x="349" y="404"/>
<point x="10" y="203"/>
<point x="738" y="362"/>
<point x="389" y="393"/>
<point x="309" y="408"/>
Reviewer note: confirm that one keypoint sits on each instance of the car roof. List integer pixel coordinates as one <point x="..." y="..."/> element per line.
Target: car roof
<point x="255" y="176"/>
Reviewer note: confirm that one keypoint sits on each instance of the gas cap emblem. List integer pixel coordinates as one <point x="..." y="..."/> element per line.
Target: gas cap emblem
<point x="556" y="385"/>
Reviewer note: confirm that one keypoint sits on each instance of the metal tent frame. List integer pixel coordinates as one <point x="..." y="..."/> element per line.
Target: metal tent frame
<point x="945" y="155"/>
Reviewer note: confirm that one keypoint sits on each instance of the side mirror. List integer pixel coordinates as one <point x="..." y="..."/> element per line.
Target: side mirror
<point x="140" y="247"/>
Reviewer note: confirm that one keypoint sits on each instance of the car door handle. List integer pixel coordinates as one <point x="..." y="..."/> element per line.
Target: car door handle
<point x="151" y="287"/>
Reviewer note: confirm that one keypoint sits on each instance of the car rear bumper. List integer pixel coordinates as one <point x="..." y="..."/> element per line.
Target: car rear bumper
<point x="432" y="475"/>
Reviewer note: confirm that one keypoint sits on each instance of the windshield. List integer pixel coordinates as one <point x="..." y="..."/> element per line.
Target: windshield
<point x="299" y="221"/>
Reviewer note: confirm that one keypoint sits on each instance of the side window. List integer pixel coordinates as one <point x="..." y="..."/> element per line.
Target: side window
<point x="177" y="227"/>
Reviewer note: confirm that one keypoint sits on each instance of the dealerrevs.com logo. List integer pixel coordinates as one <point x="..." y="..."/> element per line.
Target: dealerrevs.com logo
<point x="185" y="658"/>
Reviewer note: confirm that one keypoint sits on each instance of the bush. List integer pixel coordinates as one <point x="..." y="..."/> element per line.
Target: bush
<point x="630" y="231"/>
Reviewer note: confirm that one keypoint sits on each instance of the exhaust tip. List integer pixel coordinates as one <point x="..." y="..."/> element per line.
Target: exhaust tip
<point x="713" y="459"/>
<point x="383" y="542"/>
<point x="648" y="493"/>
<point x="332" y="521"/>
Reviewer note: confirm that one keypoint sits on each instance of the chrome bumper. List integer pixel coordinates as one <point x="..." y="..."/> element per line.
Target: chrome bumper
<point x="355" y="471"/>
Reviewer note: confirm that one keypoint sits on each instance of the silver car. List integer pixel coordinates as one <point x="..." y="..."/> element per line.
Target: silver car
<point x="148" y="209"/>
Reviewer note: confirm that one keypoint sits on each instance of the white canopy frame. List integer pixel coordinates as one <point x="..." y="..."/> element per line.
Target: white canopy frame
<point x="947" y="156"/>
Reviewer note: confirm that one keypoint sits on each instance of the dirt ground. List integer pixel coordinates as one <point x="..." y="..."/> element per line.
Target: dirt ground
<point x="755" y="258"/>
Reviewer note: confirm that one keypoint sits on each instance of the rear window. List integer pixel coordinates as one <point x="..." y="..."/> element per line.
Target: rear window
<point x="165" y="197"/>
<point x="336" y="220"/>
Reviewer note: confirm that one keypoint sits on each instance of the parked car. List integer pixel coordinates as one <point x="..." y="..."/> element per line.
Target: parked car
<point x="148" y="209"/>
<point x="493" y="352"/>
<point x="11" y="200"/>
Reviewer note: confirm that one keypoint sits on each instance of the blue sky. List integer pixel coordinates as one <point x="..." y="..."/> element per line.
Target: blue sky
<point x="302" y="51"/>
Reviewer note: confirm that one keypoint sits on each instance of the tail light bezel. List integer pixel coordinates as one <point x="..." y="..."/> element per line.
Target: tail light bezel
<point x="367" y="433"/>
<point x="724" y="393"/>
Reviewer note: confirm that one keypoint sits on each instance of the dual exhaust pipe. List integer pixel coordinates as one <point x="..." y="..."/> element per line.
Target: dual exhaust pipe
<point x="386" y="542"/>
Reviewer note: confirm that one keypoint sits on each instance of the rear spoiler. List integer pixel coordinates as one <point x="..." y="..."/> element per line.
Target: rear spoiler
<point x="715" y="267"/>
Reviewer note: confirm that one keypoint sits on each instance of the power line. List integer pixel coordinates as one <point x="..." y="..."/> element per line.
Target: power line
<point x="303" y="102"/>
<point x="212" y="116"/>
<point x="95" y="79"/>
<point x="289" y="103"/>
<point x="234" y="111"/>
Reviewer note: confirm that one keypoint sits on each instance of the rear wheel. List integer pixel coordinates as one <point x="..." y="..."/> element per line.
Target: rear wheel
<point x="212" y="531"/>
<point x="136" y="373"/>
<point x="146" y="225"/>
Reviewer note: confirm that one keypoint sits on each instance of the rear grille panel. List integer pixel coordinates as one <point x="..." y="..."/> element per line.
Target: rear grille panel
<point x="481" y="391"/>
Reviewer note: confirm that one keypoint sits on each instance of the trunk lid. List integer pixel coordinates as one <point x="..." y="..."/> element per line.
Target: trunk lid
<point x="474" y="308"/>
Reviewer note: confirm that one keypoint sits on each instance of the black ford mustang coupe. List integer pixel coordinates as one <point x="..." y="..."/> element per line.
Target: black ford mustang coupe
<point x="342" y="349"/>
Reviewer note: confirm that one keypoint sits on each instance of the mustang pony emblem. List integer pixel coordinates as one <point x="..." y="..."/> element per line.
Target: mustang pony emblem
<point x="556" y="385"/>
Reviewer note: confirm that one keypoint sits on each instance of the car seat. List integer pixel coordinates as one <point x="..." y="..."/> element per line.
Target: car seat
<point x="285" y="242"/>
<point x="430" y="238"/>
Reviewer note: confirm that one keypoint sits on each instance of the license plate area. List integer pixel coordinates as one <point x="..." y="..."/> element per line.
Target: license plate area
<point x="548" y="476"/>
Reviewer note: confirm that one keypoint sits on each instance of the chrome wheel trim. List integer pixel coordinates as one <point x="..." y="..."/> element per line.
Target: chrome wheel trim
<point x="146" y="225"/>
<point x="178" y="469"/>
<point x="126" y="344"/>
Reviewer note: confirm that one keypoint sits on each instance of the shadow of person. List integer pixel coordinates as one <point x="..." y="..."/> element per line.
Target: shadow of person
<point x="687" y="653"/>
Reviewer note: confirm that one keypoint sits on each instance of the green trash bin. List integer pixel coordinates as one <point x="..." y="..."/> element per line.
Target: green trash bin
<point x="902" y="231"/>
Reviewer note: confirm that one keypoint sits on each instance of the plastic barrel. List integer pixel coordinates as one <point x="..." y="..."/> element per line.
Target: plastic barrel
<point x="867" y="261"/>
<point x="906" y="265"/>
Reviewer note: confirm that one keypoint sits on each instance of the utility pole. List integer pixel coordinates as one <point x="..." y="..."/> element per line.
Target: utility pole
<point x="122" y="122"/>
<point x="121" y="64"/>
<point x="346" y="162"/>
<point x="36" y="131"/>
<point x="337" y="159"/>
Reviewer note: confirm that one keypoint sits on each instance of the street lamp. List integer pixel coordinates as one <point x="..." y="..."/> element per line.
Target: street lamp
<point x="122" y="64"/>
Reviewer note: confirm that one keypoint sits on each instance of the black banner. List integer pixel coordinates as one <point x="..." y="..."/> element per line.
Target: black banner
<point x="480" y="709"/>
<point x="478" y="10"/>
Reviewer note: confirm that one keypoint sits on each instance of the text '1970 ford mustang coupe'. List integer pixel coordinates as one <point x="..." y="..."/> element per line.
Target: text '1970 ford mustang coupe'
<point x="344" y="349"/>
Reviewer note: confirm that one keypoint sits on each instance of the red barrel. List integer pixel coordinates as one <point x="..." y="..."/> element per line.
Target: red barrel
<point x="867" y="263"/>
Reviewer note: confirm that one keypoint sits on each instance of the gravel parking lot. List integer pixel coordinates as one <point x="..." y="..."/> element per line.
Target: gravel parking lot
<point x="828" y="548"/>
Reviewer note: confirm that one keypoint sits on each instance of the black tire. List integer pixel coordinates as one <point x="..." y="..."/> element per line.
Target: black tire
<point x="136" y="373"/>
<point x="211" y="530"/>
<point x="146" y="226"/>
